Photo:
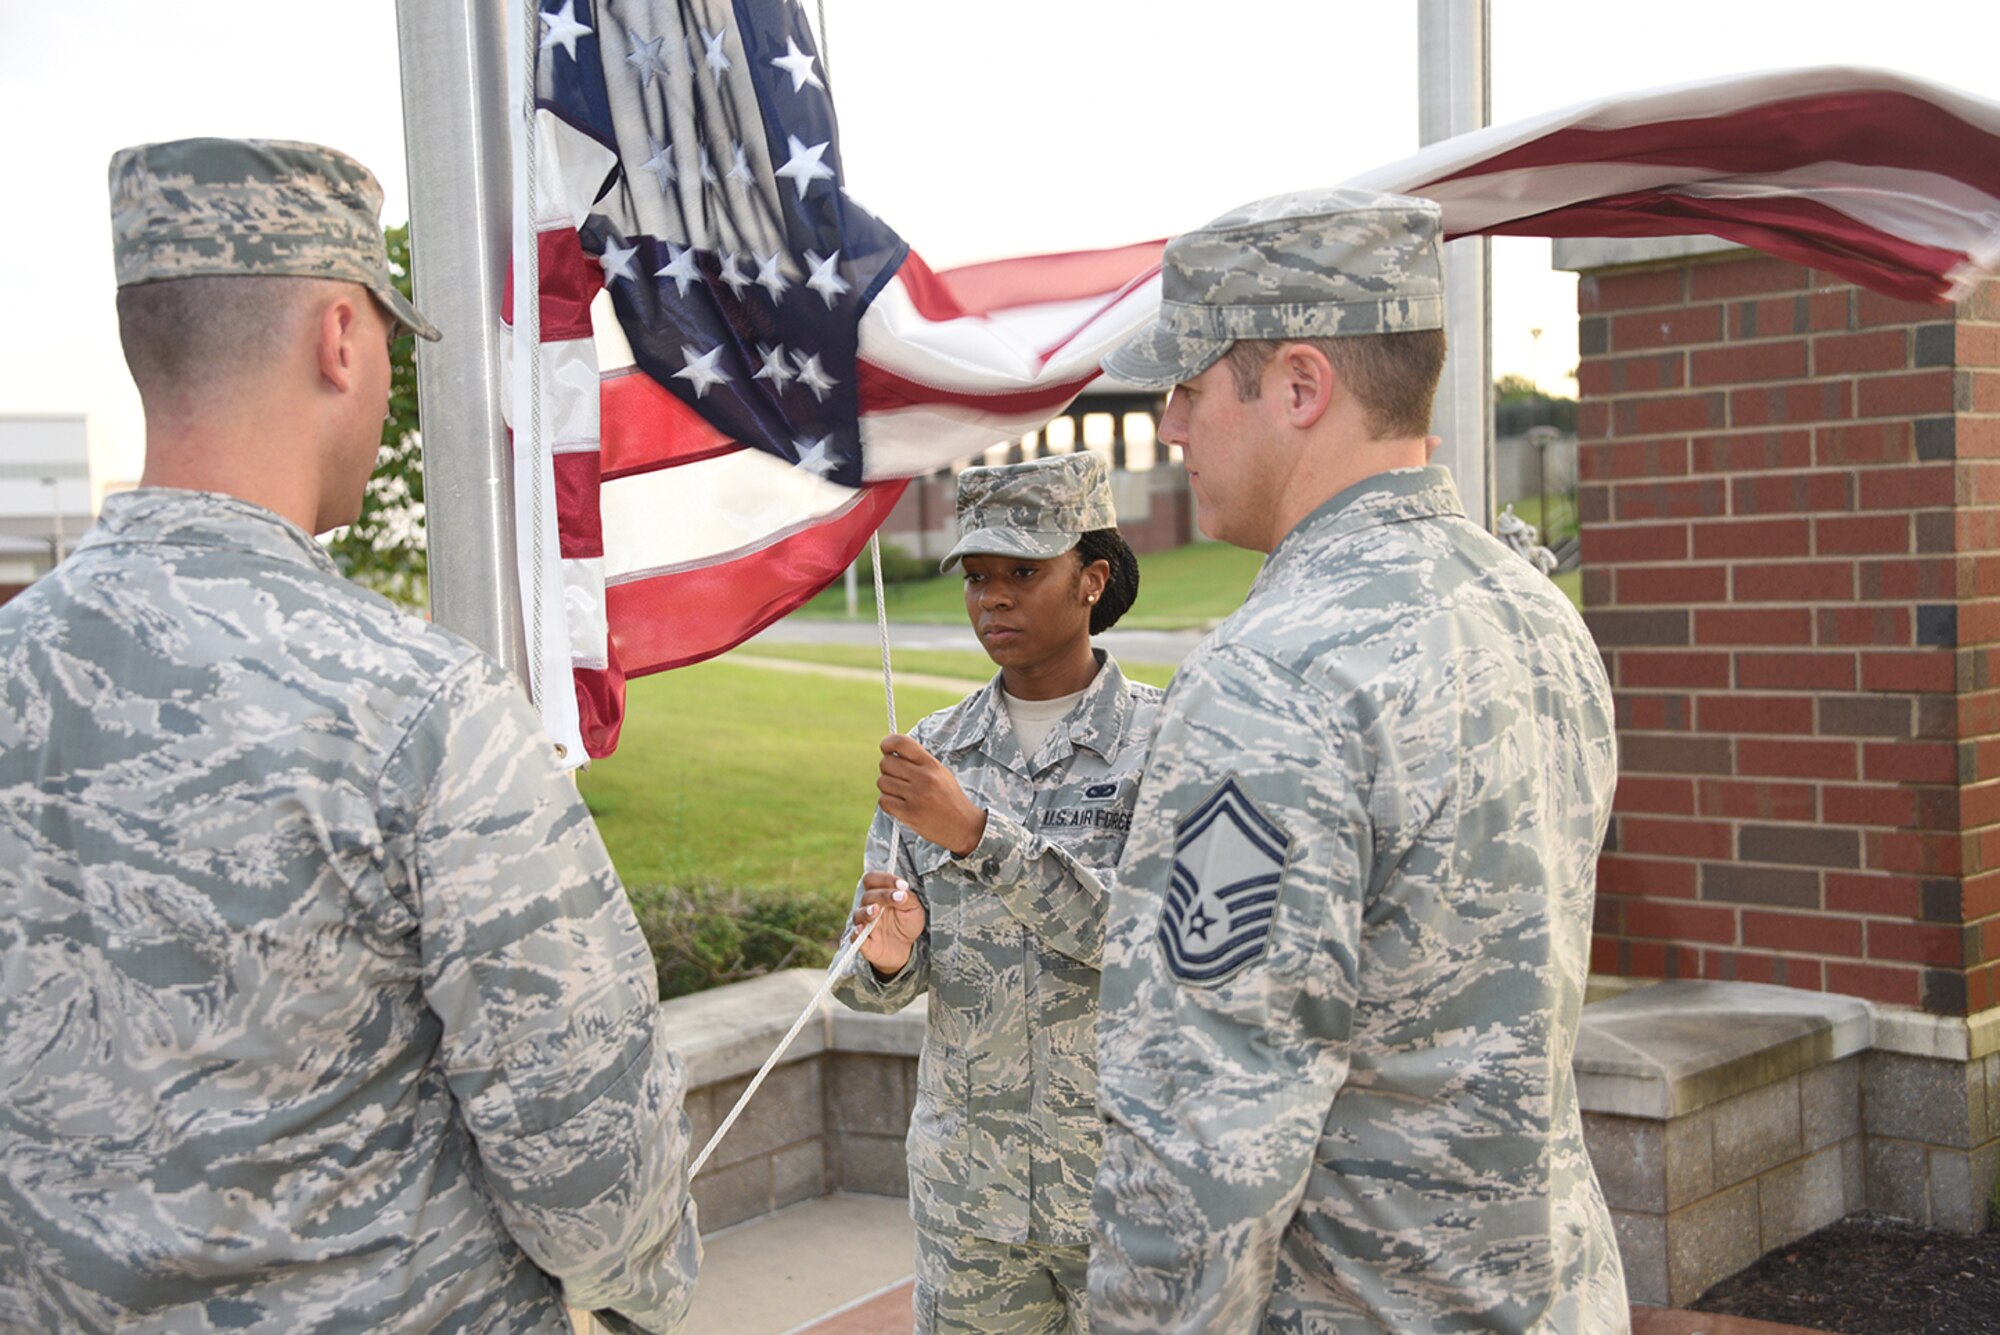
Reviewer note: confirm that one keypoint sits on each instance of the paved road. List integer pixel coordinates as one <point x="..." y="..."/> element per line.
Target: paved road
<point x="1138" y="646"/>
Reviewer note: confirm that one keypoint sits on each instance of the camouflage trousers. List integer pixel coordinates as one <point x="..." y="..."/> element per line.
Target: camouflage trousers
<point x="973" y="1286"/>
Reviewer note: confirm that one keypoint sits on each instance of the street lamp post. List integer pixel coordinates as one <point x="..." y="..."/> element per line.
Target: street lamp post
<point x="57" y="543"/>
<point x="1453" y="99"/>
<point x="1541" y="437"/>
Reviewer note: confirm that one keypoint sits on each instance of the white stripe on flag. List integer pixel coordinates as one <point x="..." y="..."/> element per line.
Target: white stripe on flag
<point x="614" y="350"/>
<point x="1923" y="207"/>
<point x="1004" y="351"/>
<point x="1473" y="203"/>
<point x="701" y="512"/>
<point x="583" y="603"/>
<point x="911" y="442"/>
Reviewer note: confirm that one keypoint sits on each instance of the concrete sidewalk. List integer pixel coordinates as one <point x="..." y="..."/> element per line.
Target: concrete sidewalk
<point x="845" y="673"/>
<point x="1129" y="645"/>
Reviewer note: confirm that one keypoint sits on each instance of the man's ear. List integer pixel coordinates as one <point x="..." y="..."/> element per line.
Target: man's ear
<point x="1307" y="381"/>
<point x="337" y="330"/>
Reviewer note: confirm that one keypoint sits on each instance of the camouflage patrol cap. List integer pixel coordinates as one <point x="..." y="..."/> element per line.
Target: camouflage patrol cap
<point x="1316" y="264"/>
<point x="1037" y="509"/>
<point x="197" y="208"/>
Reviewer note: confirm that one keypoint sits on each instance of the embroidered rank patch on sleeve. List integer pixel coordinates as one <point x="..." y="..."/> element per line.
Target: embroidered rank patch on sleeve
<point x="1228" y="859"/>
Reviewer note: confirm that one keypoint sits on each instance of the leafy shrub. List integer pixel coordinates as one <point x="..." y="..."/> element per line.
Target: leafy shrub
<point x="706" y="936"/>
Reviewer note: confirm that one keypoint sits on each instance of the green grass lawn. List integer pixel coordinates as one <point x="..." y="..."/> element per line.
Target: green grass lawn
<point x="745" y="777"/>
<point x="736" y="807"/>
<point x="752" y="779"/>
<point x="737" y="804"/>
<point x="1560" y="508"/>
<point x="1188" y="586"/>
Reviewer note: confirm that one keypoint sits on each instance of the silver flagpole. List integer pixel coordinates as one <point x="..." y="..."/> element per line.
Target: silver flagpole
<point x="455" y="120"/>
<point x="1453" y="98"/>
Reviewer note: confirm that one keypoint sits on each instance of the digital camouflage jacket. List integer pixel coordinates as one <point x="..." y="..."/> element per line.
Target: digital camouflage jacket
<point x="1003" y="1140"/>
<point x="1346" y="951"/>
<point x="321" y="1007"/>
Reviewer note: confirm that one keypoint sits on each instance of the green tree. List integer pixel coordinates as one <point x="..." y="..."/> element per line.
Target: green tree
<point x="1513" y="387"/>
<point x="384" y="548"/>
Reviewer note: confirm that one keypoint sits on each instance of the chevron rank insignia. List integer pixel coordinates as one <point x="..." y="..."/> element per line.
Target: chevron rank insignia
<point x="1228" y="859"/>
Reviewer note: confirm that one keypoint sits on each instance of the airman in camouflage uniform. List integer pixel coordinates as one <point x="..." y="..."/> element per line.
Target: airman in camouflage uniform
<point x="321" y="1007"/>
<point x="1346" y="949"/>
<point x="1003" y="1141"/>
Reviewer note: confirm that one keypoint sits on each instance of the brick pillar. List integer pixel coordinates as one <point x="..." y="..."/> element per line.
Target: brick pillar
<point x="1791" y="550"/>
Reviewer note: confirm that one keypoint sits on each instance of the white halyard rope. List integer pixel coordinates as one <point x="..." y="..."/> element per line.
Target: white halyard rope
<point x="844" y="960"/>
<point x="528" y="318"/>
<point x="840" y="965"/>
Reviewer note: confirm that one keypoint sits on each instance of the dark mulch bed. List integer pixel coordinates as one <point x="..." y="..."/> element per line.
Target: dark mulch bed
<point x="1872" y="1275"/>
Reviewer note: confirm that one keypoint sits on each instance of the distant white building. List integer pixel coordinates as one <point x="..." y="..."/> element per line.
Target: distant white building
<point x="44" y="493"/>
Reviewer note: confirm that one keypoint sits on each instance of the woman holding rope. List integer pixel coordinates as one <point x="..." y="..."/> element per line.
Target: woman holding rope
<point x="1016" y="802"/>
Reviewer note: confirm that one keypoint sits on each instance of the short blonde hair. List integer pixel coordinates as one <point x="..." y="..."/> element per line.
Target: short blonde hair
<point x="1393" y="376"/>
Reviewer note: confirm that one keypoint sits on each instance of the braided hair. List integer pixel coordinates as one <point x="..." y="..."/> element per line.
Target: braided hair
<point x="1122" y="589"/>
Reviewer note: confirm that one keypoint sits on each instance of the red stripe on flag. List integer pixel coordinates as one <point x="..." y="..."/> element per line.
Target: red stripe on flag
<point x="642" y="427"/>
<point x="980" y="289"/>
<point x="570" y="279"/>
<point x="1792" y="229"/>
<point x="683" y="617"/>
<point x="1870" y="128"/>
<point x="879" y="390"/>
<point x="579" y="525"/>
<point x="600" y="707"/>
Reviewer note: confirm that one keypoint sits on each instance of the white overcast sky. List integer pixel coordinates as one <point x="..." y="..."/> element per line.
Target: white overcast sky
<point x="976" y="130"/>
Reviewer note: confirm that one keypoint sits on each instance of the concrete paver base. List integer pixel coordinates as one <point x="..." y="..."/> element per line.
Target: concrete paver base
<point x="1662" y="1321"/>
<point x="885" y="1313"/>
<point x="785" y="1271"/>
<point x="889" y="1314"/>
<point x="840" y="1265"/>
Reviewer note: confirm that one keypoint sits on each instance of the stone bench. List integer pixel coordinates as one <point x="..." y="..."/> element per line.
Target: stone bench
<point x="1724" y="1119"/>
<point x="830" y="1117"/>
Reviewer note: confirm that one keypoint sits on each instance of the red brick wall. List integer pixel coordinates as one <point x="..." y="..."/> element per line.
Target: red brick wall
<point x="1791" y="552"/>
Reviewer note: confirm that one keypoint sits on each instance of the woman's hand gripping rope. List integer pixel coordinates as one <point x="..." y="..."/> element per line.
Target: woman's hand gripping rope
<point x="888" y="903"/>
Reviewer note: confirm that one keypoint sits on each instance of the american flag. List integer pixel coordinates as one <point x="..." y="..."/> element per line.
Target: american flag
<point x="740" y="367"/>
<point x="1887" y="181"/>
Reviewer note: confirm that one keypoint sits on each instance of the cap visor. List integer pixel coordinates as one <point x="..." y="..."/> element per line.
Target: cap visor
<point x="1158" y="358"/>
<point x="406" y="314"/>
<point x="1009" y="542"/>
